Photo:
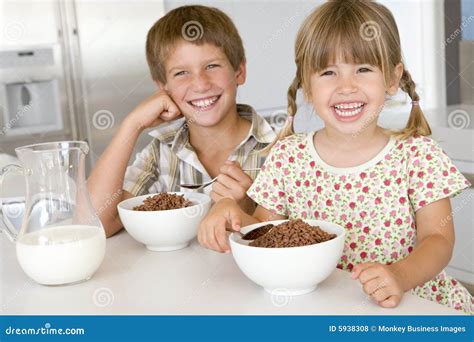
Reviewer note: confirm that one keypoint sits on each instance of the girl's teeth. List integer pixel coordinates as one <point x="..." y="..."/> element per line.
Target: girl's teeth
<point x="347" y="113"/>
<point x="349" y="105"/>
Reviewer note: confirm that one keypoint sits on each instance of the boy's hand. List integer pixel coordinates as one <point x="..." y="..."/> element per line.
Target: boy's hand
<point x="154" y="110"/>
<point x="212" y="229"/>
<point x="380" y="283"/>
<point x="232" y="182"/>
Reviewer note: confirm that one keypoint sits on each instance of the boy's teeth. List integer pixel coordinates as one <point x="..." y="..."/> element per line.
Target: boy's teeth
<point x="205" y="103"/>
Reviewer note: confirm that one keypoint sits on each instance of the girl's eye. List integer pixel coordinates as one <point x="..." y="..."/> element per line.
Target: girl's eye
<point x="327" y="73"/>
<point x="364" y="70"/>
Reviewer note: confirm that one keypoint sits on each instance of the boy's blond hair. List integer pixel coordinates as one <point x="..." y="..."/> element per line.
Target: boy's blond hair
<point x="195" y="24"/>
<point x="362" y="32"/>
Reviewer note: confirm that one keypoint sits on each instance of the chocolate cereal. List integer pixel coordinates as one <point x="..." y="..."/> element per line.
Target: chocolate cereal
<point x="293" y="233"/>
<point x="163" y="201"/>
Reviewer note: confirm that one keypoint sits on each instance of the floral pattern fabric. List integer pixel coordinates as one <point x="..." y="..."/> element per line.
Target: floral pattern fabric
<point x="376" y="202"/>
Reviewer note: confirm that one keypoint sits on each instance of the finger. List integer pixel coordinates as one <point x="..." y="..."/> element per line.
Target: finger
<point x="221" y="238"/>
<point x="222" y="190"/>
<point x="373" y="285"/>
<point x="381" y="294"/>
<point x="211" y="238"/>
<point x="370" y="273"/>
<point x="170" y="109"/>
<point x="235" y="221"/>
<point x="359" y="268"/>
<point x="202" y="235"/>
<point x="236" y="172"/>
<point x="390" y="302"/>
<point x="233" y="187"/>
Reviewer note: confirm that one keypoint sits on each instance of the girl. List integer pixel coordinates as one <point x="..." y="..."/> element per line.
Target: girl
<point x="390" y="190"/>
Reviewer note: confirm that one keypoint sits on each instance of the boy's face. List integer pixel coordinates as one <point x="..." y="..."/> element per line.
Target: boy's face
<point x="349" y="97"/>
<point x="202" y="82"/>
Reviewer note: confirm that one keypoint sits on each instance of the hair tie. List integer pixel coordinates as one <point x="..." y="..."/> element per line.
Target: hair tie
<point x="415" y="103"/>
<point x="289" y="118"/>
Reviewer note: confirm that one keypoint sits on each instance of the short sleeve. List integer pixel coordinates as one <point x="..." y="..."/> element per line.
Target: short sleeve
<point x="432" y="174"/>
<point x="268" y="189"/>
<point x="143" y="173"/>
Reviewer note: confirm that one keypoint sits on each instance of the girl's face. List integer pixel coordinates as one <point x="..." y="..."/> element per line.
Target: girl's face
<point x="202" y="82"/>
<point x="349" y="97"/>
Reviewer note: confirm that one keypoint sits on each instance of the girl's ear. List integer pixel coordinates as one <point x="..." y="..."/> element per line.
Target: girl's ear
<point x="307" y="95"/>
<point x="241" y="73"/>
<point x="395" y="83"/>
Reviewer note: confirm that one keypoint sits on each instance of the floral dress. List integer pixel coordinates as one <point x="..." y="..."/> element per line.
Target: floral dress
<point x="375" y="202"/>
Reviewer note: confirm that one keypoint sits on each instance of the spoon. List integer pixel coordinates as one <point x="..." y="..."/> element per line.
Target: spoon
<point x="256" y="233"/>
<point x="203" y="185"/>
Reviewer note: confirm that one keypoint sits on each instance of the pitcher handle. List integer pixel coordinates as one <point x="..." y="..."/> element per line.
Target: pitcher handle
<point x="10" y="230"/>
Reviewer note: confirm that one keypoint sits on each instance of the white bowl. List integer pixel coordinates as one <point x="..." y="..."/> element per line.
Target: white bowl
<point x="291" y="270"/>
<point x="164" y="230"/>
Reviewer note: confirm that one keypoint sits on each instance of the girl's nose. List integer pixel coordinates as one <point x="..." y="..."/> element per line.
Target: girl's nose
<point x="201" y="83"/>
<point x="347" y="85"/>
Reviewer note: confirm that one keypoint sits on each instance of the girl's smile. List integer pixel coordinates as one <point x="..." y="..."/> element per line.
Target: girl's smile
<point x="348" y="111"/>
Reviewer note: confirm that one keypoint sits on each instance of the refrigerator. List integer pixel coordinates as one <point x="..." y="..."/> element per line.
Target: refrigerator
<point x="72" y="70"/>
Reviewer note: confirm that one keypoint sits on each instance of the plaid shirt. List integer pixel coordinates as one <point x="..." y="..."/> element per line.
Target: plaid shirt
<point x="169" y="160"/>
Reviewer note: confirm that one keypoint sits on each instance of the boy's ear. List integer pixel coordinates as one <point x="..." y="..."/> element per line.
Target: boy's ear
<point x="395" y="83"/>
<point x="241" y="73"/>
<point x="161" y="86"/>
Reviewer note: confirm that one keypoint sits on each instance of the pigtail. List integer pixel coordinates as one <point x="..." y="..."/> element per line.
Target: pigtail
<point x="417" y="124"/>
<point x="287" y="129"/>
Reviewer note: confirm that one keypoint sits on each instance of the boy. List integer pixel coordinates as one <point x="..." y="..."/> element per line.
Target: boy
<point x="197" y="59"/>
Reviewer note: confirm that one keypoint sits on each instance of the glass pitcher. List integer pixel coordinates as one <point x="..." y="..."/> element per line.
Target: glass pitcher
<point x="61" y="240"/>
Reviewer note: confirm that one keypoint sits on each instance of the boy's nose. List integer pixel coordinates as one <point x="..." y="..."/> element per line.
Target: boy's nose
<point x="201" y="83"/>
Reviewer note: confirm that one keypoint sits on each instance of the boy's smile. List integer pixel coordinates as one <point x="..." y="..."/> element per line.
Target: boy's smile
<point x="202" y="82"/>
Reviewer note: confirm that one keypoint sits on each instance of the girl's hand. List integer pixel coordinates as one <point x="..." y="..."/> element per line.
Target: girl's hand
<point x="212" y="229"/>
<point x="380" y="282"/>
<point x="232" y="182"/>
<point x="153" y="111"/>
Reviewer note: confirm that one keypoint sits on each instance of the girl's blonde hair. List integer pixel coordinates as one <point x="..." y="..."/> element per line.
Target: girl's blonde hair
<point x="360" y="32"/>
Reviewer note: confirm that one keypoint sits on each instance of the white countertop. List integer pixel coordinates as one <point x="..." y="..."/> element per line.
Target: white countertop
<point x="133" y="280"/>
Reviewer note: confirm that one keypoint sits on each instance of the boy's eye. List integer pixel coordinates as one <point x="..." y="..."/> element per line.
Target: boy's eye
<point x="212" y="66"/>
<point x="179" y="73"/>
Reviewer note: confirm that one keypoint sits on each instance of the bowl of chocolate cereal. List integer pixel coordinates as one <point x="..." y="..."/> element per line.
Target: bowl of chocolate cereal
<point x="291" y="257"/>
<point x="165" y="221"/>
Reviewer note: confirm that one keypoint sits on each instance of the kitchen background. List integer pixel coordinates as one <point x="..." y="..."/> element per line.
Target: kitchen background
<point x="74" y="69"/>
